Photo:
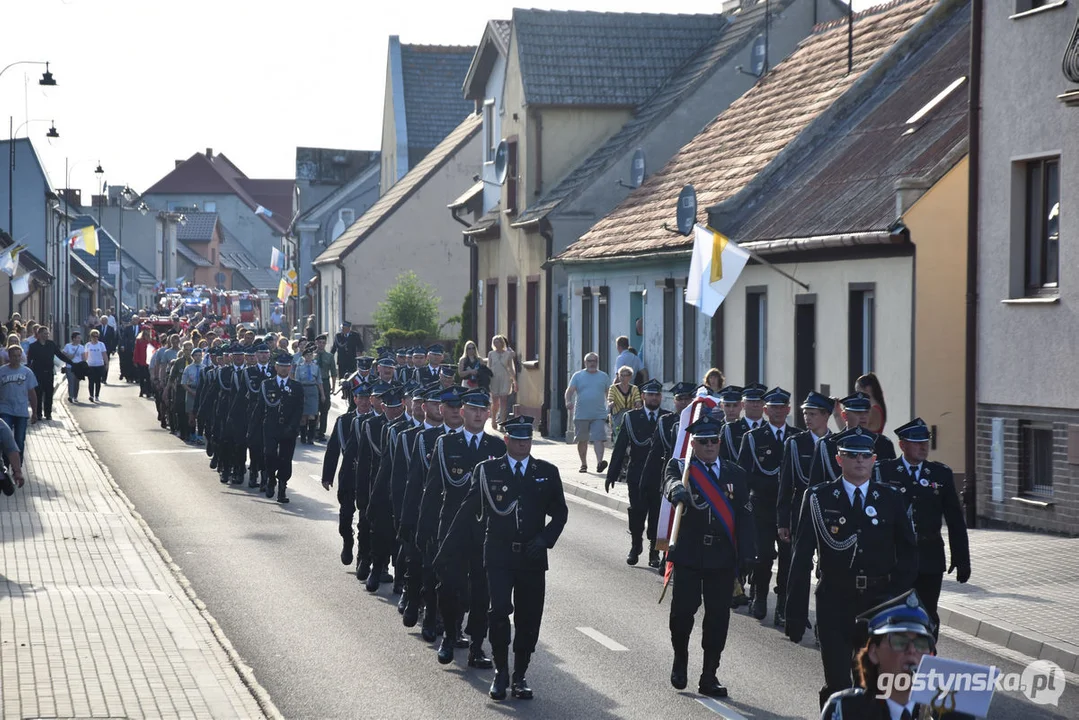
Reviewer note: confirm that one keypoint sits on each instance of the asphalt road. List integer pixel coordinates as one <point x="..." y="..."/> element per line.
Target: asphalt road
<point x="325" y="648"/>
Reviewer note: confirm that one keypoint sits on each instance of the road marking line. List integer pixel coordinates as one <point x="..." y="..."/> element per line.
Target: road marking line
<point x="169" y="452"/>
<point x="720" y="709"/>
<point x="595" y="506"/>
<point x="602" y="639"/>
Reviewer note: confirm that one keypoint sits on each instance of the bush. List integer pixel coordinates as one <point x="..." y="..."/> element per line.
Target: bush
<point x="466" y="322"/>
<point x="409" y="312"/>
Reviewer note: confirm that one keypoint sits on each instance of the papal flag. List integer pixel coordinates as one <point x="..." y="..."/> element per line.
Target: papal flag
<point x="283" y="290"/>
<point x="84" y="239"/>
<point x="716" y="264"/>
<point x="9" y="259"/>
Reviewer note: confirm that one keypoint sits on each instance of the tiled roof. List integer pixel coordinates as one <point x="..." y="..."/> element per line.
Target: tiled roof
<point x="401" y="191"/>
<point x="500" y="32"/>
<point x="274" y="195"/>
<point x="747" y="136"/>
<point x="655" y="109"/>
<point x="494" y="44"/>
<point x="597" y="58"/>
<point x="234" y="256"/>
<point x="199" y="227"/>
<point x="847" y="183"/>
<point x="432" y="76"/>
<point x="191" y="256"/>
<point x="486" y="221"/>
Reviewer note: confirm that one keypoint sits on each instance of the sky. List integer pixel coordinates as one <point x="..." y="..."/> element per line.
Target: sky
<point x="143" y="83"/>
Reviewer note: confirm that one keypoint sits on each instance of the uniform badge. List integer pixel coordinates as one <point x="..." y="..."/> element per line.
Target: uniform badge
<point x="504" y="488"/>
<point x="923" y="482"/>
<point x="870" y="511"/>
<point x="925" y="471"/>
<point x="874" y="521"/>
<point x="498" y="498"/>
<point x="835" y="529"/>
<point x="767" y="452"/>
<point x="835" y="494"/>
<point x="876" y="495"/>
<point x="842" y="521"/>
<point x="903" y="489"/>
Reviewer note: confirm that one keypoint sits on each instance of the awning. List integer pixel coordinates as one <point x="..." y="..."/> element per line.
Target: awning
<point x="467" y="196"/>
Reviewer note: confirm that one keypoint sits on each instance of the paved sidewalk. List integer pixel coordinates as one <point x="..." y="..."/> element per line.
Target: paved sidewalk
<point x="94" y="620"/>
<point x="1024" y="588"/>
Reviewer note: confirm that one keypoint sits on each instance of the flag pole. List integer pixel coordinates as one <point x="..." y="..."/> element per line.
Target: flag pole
<point x="680" y="509"/>
<point x="756" y="256"/>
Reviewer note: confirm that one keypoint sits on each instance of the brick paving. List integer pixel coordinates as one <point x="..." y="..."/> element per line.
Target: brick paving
<point x="1024" y="588"/>
<point x="93" y="622"/>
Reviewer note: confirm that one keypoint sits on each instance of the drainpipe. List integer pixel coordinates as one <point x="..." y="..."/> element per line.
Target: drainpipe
<point x="547" y="367"/>
<point x="539" y="157"/>
<point x="342" y="302"/>
<point x="970" y="484"/>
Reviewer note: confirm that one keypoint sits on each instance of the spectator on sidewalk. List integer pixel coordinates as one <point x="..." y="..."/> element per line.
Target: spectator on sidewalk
<point x="18" y="400"/>
<point x="626" y="357"/>
<point x="108" y="335"/>
<point x="12" y="478"/>
<point x="328" y="369"/>
<point x="586" y="398"/>
<point x="97" y="364"/>
<point x="76" y="369"/>
<point x="622" y="397"/>
<point x="39" y="358"/>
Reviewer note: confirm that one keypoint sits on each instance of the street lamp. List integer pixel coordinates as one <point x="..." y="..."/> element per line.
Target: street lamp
<point x="46" y="77"/>
<point x="100" y="173"/>
<point x="126" y="196"/>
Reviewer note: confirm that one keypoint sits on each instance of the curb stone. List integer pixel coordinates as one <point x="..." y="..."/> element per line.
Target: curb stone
<point x="247" y="675"/>
<point x="983" y="627"/>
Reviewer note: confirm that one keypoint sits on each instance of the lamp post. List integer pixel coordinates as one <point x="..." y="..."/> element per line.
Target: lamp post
<point x="100" y="173"/>
<point x="126" y="195"/>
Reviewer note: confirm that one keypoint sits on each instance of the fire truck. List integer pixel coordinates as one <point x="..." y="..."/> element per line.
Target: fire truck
<point x="244" y="307"/>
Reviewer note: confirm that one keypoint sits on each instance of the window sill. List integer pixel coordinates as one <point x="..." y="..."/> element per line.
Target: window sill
<point x="530" y="364"/>
<point x="1033" y="502"/>
<point x="1038" y="10"/>
<point x="1032" y="300"/>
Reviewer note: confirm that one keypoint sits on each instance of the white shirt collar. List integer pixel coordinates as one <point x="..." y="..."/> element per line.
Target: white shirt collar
<point x="908" y="466"/>
<point x="896" y="710"/>
<point x="523" y="463"/>
<point x="778" y="428"/>
<point x="754" y="424"/>
<point x="427" y="425"/>
<point x="469" y="436"/>
<point x="449" y="430"/>
<point x="850" y="487"/>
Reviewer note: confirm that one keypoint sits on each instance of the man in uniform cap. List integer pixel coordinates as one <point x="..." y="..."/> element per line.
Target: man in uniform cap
<point x="430" y="372"/>
<point x="280" y="408"/>
<point x="379" y="452"/>
<point x="228" y="437"/>
<point x="659" y="454"/>
<point x="761" y="456"/>
<point x="368" y="454"/>
<point x="631" y="448"/>
<point x="446" y="375"/>
<point x="461" y="577"/>
<point x="734" y="425"/>
<point x="930" y="490"/>
<point x="856" y="415"/>
<point x="513" y="495"/>
<point x="347" y="344"/>
<point x="386" y="369"/>
<point x="342" y="444"/>
<point x="715" y="538"/>
<point x="863" y="535"/>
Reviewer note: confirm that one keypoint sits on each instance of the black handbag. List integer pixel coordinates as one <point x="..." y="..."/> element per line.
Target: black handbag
<point x="80" y="369"/>
<point x="484" y="375"/>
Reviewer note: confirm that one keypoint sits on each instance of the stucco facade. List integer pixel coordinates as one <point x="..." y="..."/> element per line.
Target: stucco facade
<point x="1027" y="385"/>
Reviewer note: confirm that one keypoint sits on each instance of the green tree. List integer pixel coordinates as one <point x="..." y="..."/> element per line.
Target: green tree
<point x="409" y="312"/>
<point x="466" y="322"/>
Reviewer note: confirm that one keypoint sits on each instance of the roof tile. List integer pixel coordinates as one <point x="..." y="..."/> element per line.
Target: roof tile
<point x="432" y="76"/>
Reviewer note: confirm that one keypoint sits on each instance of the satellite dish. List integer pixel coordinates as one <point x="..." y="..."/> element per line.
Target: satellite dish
<point x="687" y="210"/>
<point x="636" y="169"/>
<point x="759" y="56"/>
<point x="501" y="162"/>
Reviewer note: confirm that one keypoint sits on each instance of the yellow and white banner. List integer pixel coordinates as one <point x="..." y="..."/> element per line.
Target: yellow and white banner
<point x="716" y="264"/>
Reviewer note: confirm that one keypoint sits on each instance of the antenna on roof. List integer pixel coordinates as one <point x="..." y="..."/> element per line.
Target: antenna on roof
<point x="758" y="55"/>
<point x="685" y="212"/>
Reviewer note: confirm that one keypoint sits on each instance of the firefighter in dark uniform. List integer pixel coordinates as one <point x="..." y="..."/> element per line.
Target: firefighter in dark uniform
<point x="380" y="504"/>
<point x="228" y="381"/>
<point x="363" y="490"/>
<point x="862" y="531"/>
<point x="342" y="445"/>
<point x="429" y="372"/>
<point x="346" y="345"/>
<point x="369" y="457"/>
<point x="715" y="539"/>
<point x="899" y="633"/>
<point x="659" y="454"/>
<point x="734" y="427"/>
<point x="206" y="398"/>
<point x="751" y="401"/>
<point x="630" y="452"/>
<point x="761" y="457"/>
<point x="461" y="578"/>
<point x="513" y="495"/>
<point x="930" y="489"/>
<point x="417" y="528"/>
<point x="824" y="467"/>
<point x="279" y="410"/>
<point x="255" y="375"/>
<point x="239" y="415"/>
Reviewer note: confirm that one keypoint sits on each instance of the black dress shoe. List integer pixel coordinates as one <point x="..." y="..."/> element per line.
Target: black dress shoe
<point x="427" y="632"/>
<point x="499" y="685"/>
<point x="401" y="604"/>
<point x="411" y="616"/>
<point x="363" y="568"/>
<point x="224" y="479"/>
<point x="779" y="619"/>
<point x="445" y="651"/>
<point x="462" y="642"/>
<point x="386" y="577"/>
<point x="346" y="551"/>
<point x="653" y="559"/>
<point x="739" y="601"/>
<point x="476" y="659"/>
<point x="372" y="581"/>
<point x="680" y="672"/>
<point x="282" y="499"/>
<point x="398" y="585"/>
<point x="520" y="689"/>
<point x="760" y="607"/>
<point x="271" y="485"/>
<point x="213" y="463"/>
<point x="253" y="480"/>
<point x="711" y="687"/>
<point x="633" y="557"/>
<point x="238" y="478"/>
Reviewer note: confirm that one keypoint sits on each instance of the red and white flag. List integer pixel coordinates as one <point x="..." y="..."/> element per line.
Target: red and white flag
<point x="689" y="415"/>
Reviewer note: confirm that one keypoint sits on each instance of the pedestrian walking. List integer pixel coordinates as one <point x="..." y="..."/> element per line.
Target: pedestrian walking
<point x="308" y="374"/>
<point x="622" y="397"/>
<point x="40" y="359"/>
<point x="75" y="371"/>
<point x="18" y="398"/>
<point x="586" y="398"/>
<point x="97" y="365"/>
<point x="502" y="362"/>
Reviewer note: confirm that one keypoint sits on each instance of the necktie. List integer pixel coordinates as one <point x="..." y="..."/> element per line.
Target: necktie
<point x="779" y="436"/>
<point x="857" y="500"/>
<point x="519" y="472"/>
<point x="714" y="470"/>
<point x="281" y="384"/>
<point x="651" y="416"/>
<point x="906" y="715"/>
<point x="914" y="472"/>
<point x="475" y="443"/>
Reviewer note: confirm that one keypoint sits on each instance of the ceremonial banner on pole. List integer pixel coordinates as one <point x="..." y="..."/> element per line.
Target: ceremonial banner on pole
<point x="681" y="447"/>
<point x="713" y="269"/>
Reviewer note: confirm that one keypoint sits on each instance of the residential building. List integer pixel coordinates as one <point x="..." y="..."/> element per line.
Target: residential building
<point x="422" y="103"/>
<point x="630" y="264"/>
<point x="408" y="228"/>
<point x="1027" y="389"/>
<point x="335" y="188"/>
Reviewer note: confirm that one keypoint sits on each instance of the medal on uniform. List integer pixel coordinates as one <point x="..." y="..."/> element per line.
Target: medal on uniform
<point x="504" y="488"/>
<point x="835" y="529"/>
<point x="923" y="482"/>
<point x="498" y="498"/>
<point x="925" y="471"/>
<point x="870" y="511"/>
<point x="874" y="521"/>
<point x="842" y="521"/>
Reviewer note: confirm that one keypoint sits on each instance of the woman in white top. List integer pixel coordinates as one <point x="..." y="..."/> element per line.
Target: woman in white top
<point x="77" y="353"/>
<point x="97" y="361"/>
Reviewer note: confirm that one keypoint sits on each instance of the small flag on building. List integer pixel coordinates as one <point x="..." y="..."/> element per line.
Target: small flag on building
<point x="283" y="290"/>
<point x="263" y="211"/>
<point x="84" y="239"/>
<point x="9" y="259"/>
<point x="21" y="285"/>
<point x="277" y="259"/>
<point x="716" y="264"/>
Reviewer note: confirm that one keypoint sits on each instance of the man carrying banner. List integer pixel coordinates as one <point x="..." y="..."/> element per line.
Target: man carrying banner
<point x="655" y="465"/>
<point x="713" y="539"/>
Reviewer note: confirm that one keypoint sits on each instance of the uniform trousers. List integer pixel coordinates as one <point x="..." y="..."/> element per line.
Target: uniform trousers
<point x="928" y="587"/>
<point x="644" y="500"/>
<point x="324" y="406"/>
<point x="44" y="391"/>
<point x="764" y="520"/>
<point x="836" y="613"/>
<point x="464" y="583"/>
<point x="278" y="455"/>
<point x="714" y="586"/>
<point x="518" y="592"/>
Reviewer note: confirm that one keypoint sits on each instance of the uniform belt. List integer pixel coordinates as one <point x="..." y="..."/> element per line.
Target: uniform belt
<point x="869" y="582"/>
<point x="515" y="547"/>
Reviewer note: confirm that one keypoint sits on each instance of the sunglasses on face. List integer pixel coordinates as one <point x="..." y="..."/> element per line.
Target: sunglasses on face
<point x="902" y="643"/>
<point x="706" y="440"/>
<point x="855" y="455"/>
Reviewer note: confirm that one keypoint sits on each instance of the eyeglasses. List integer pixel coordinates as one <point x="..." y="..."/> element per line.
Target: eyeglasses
<point x="855" y="455"/>
<point x="901" y="643"/>
<point x="706" y="440"/>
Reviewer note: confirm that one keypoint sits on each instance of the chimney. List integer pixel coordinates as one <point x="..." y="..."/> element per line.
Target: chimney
<point x="209" y="153"/>
<point x="179" y="163"/>
<point x="907" y="192"/>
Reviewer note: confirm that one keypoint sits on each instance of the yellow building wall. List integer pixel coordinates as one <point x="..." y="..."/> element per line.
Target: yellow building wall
<point x="565" y="138"/>
<point x="938" y="229"/>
